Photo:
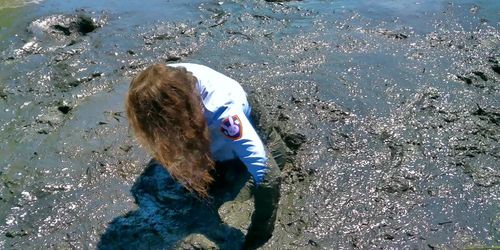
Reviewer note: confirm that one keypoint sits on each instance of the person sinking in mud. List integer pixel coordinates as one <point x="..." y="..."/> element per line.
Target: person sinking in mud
<point x="193" y="119"/>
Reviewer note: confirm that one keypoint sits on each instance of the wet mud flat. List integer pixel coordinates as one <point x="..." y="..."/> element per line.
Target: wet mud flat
<point x="389" y="114"/>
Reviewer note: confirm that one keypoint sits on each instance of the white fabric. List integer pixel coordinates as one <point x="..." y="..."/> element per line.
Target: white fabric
<point x="223" y="98"/>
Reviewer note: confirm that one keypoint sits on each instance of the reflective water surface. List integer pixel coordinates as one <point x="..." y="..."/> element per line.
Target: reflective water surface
<point x="398" y="102"/>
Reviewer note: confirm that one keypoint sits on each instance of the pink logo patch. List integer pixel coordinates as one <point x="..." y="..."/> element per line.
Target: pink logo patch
<point x="231" y="127"/>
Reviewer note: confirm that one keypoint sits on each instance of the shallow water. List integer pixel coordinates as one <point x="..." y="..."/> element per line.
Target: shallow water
<point x="399" y="102"/>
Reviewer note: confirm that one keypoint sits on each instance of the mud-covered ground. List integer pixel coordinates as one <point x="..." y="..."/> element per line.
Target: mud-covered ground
<point x="390" y="112"/>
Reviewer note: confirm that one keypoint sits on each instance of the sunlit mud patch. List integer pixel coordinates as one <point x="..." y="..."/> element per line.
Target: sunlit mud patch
<point x="427" y="160"/>
<point x="389" y="110"/>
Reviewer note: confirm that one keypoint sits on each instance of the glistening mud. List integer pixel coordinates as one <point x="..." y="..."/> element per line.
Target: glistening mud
<point x="390" y="113"/>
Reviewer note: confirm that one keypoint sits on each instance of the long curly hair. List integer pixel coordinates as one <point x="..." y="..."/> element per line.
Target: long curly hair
<point x="165" y="112"/>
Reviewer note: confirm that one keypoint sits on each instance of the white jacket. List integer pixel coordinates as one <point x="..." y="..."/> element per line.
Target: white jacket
<point x="227" y="112"/>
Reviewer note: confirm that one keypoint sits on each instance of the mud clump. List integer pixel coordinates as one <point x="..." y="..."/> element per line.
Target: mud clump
<point x="67" y="25"/>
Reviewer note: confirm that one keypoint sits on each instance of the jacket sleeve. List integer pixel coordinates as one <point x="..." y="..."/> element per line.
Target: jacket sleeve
<point x="245" y="142"/>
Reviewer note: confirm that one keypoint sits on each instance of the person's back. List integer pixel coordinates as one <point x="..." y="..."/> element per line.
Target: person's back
<point x="189" y="116"/>
<point x="215" y="88"/>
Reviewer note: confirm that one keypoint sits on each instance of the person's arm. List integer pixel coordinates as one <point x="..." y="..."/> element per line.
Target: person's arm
<point x="266" y="198"/>
<point x="249" y="148"/>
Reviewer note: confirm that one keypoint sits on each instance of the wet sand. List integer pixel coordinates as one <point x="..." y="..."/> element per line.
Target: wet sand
<point x="390" y="113"/>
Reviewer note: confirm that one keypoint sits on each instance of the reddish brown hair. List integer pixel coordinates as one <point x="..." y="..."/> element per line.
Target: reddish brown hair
<point x="166" y="115"/>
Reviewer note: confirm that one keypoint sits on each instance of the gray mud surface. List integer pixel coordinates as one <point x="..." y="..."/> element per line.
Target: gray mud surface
<point x="390" y="113"/>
